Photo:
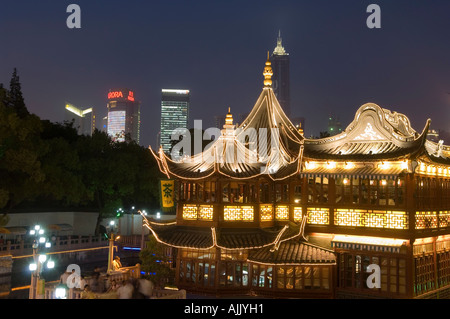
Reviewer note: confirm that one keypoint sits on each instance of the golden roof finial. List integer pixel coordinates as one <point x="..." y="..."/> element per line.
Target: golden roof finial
<point x="268" y="72"/>
<point x="229" y="117"/>
<point x="300" y="129"/>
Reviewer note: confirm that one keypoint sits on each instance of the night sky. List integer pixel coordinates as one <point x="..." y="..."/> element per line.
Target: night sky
<point x="217" y="50"/>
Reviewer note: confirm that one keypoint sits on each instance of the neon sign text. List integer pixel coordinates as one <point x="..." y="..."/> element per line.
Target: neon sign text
<point x="112" y="95"/>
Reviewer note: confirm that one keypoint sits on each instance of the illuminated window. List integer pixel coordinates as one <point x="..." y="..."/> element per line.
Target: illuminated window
<point x="348" y="217"/>
<point x="190" y="212"/>
<point x="206" y="212"/>
<point x="387" y="219"/>
<point x="236" y="213"/>
<point x="376" y="219"/>
<point x="282" y="213"/>
<point x="319" y="216"/>
<point x="232" y="213"/>
<point x="426" y="220"/>
<point x="297" y="214"/>
<point x="444" y="219"/>
<point x="266" y="212"/>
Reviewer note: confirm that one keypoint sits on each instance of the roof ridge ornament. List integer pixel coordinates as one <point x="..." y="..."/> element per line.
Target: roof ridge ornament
<point x="268" y="73"/>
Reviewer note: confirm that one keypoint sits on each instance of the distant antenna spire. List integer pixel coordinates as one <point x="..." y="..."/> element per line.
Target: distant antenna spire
<point x="279" y="50"/>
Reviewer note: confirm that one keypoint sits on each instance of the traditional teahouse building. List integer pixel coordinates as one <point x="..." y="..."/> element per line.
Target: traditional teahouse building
<point x="265" y="211"/>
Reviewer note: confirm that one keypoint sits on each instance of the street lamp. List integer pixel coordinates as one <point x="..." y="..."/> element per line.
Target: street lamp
<point x="112" y="236"/>
<point x="61" y="292"/>
<point x="39" y="260"/>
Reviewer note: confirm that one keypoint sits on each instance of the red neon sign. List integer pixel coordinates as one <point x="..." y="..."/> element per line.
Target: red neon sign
<point x="113" y="95"/>
<point x="131" y="96"/>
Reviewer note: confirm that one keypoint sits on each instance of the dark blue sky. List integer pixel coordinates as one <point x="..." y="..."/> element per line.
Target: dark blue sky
<point x="217" y="49"/>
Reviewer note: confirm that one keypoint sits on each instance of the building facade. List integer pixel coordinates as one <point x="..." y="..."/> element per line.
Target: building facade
<point x="283" y="216"/>
<point x="174" y="115"/>
<point x="124" y="115"/>
<point x="83" y="119"/>
<point x="281" y="76"/>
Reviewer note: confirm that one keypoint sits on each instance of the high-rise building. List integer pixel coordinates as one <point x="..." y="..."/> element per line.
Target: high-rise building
<point x="84" y="120"/>
<point x="124" y="115"/>
<point x="281" y="77"/>
<point x="174" y="114"/>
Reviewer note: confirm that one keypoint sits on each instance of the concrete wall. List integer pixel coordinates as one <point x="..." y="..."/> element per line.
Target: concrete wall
<point x="83" y="223"/>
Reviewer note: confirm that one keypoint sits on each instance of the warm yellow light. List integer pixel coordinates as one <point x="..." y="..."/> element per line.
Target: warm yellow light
<point x="331" y="165"/>
<point x="422" y="167"/>
<point x="383" y="182"/>
<point x="190" y="212"/>
<point x="282" y="213"/>
<point x="266" y="212"/>
<point x="310" y="165"/>
<point x="206" y="212"/>
<point x="297" y="214"/>
<point x="404" y="165"/>
<point x="369" y="240"/>
<point x="346" y="181"/>
<point x="349" y="165"/>
<point x="384" y="165"/>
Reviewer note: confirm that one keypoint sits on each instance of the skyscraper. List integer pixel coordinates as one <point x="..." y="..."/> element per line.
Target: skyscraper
<point x="281" y="77"/>
<point x="174" y="114"/>
<point x="84" y="120"/>
<point x="124" y="115"/>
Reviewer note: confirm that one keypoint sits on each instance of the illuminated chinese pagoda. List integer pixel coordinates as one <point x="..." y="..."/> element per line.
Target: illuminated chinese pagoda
<point x="265" y="211"/>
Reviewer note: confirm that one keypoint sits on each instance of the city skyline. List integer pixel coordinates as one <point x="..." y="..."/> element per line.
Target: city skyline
<point x="337" y="62"/>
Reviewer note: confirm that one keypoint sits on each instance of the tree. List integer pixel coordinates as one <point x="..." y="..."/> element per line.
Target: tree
<point x="15" y="98"/>
<point x="155" y="263"/>
<point x="20" y="151"/>
<point x="61" y="165"/>
<point x="116" y="174"/>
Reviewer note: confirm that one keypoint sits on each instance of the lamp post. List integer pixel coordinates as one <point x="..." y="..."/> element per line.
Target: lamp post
<point x="37" y="285"/>
<point x="112" y="236"/>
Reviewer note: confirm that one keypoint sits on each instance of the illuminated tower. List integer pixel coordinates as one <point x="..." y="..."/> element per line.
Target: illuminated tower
<point x="84" y="120"/>
<point x="281" y="77"/>
<point x="124" y="115"/>
<point x="174" y="114"/>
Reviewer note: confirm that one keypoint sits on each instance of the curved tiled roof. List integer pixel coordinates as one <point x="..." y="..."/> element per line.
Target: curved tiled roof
<point x="374" y="134"/>
<point x="228" y="238"/>
<point x="293" y="252"/>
